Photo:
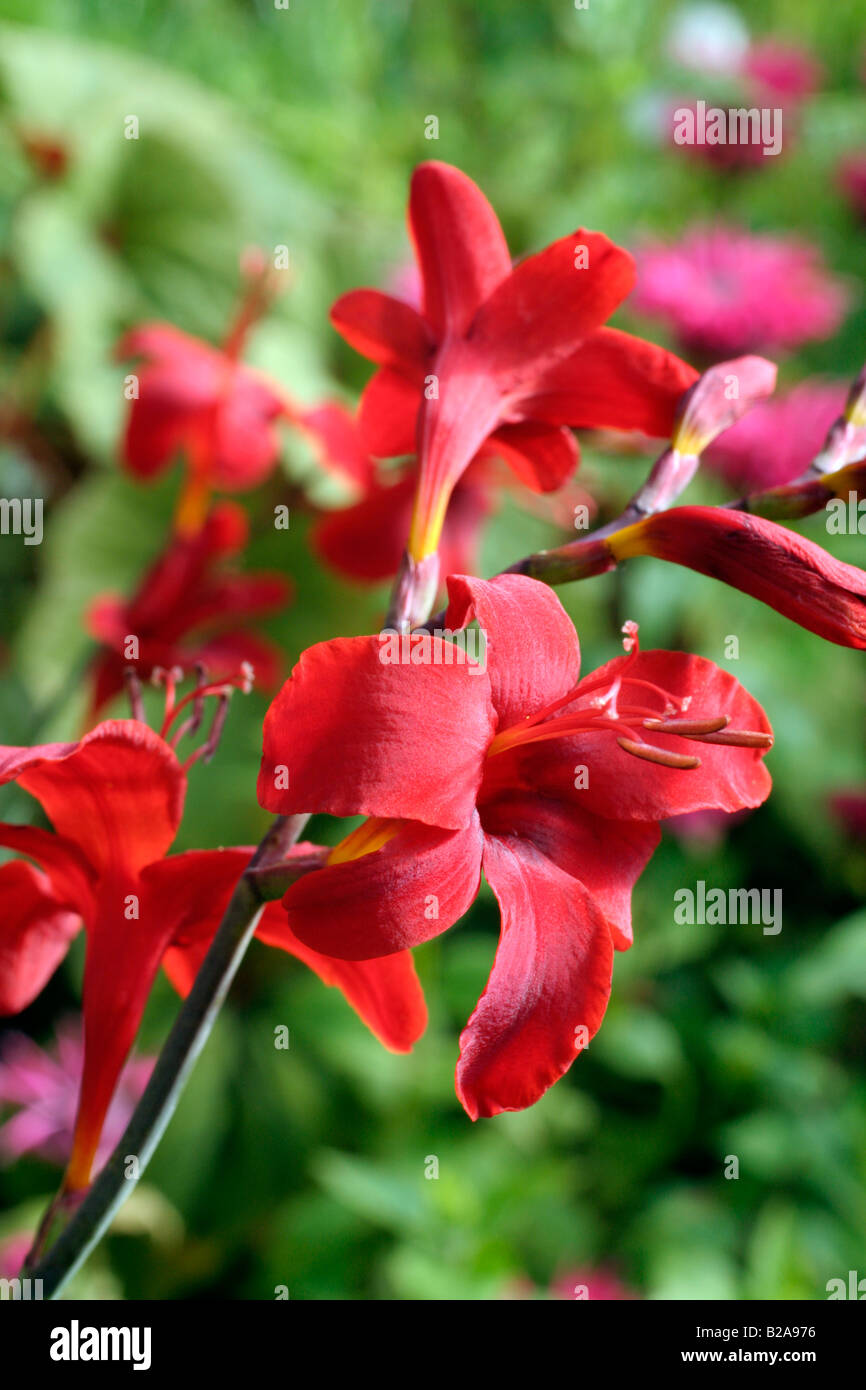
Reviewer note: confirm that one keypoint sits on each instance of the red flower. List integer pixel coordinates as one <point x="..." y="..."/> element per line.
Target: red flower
<point x="189" y="610"/>
<point x="366" y="540"/>
<point x="115" y="801"/>
<point x="781" y="568"/>
<point x="551" y="785"/>
<point x="200" y="400"/>
<point x="500" y="353"/>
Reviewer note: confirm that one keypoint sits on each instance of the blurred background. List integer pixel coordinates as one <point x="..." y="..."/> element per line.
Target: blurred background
<point x="311" y="1169"/>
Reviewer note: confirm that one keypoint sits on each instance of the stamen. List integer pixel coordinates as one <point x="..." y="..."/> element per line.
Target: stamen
<point x="133" y="690"/>
<point x="658" y="755"/>
<point x="192" y="723"/>
<point x="687" y="727"/>
<point x="740" y="738"/>
<point x="206" y="751"/>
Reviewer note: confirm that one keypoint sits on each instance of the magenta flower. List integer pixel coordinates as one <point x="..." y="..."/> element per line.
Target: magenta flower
<point x="45" y="1087"/>
<point x="781" y="72"/>
<point x="778" y="438"/>
<point x="725" y="291"/>
<point x="13" y="1253"/>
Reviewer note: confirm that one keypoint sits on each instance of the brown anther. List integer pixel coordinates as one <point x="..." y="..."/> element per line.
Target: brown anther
<point x="658" y="755"/>
<point x="687" y="727"/>
<point x="740" y="738"/>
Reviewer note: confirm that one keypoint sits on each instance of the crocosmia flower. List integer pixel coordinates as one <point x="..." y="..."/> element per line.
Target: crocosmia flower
<point x="783" y="569"/>
<point x="724" y="291"/>
<point x="202" y="401"/>
<point x="115" y="800"/>
<point x="365" y="541"/>
<point x="509" y="354"/>
<point x="190" y="609"/>
<point x="550" y="784"/>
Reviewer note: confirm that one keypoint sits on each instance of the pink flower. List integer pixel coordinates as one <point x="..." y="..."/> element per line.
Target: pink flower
<point x="778" y="438"/>
<point x="725" y="291"/>
<point x="782" y="72"/>
<point x="46" y="1087"/>
<point x="13" y="1253"/>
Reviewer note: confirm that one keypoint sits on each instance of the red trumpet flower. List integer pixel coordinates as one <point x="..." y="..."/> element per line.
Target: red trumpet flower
<point x="115" y="800"/>
<point x="512" y="355"/>
<point x="550" y="784"/>
<point x="189" y="610"/>
<point x="781" y="568"/>
<point x="366" y="540"/>
<point x="195" y="397"/>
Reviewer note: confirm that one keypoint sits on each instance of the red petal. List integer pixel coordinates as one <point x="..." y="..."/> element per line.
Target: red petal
<point x="462" y="253"/>
<point x="471" y="503"/>
<point x="123" y="957"/>
<point x="367" y="541"/>
<point x="117" y="795"/>
<point x="542" y="456"/>
<point x="412" y="889"/>
<point x="551" y="978"/>
<point x="452" y="427"/>
<point x="623" y="787"/>
<point x="357" y="736"/>
<point x="533" y="655"/>
<point x="162" y="342"/>
<point x="171" y="400"/>
<point x="336" y="436"/>
<point x="548" y="305"/>
<point x="34" y="936"/>
<point x="71" y="876"/>
<point x="244" y="442"/>
<point x="153" y="436"/>
<point x="382" y="328"/>
<point x="385" y="993"/>
<point x="388" y="414"/>
<point x="608" y="857"/>
<point x="789" y="573"/>
<point x="612" y="381"/>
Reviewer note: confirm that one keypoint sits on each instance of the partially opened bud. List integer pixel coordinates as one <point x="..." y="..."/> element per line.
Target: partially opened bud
<point x="777" y="566"/>
<point x="855" y="406"/>
<point x="718" y="399"/>
<point x="846" y="438"/>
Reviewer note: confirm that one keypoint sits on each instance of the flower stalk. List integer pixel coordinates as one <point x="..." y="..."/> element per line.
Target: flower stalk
<point x="188" y="1036"/>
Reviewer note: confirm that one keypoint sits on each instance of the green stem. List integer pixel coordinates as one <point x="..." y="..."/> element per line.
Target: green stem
<point x="188" y="1036"/>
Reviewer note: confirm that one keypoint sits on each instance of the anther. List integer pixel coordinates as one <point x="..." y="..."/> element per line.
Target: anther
<point x="688" y="727"/>
<point x="658" y="755"/>
<point x="740" y="738"/>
